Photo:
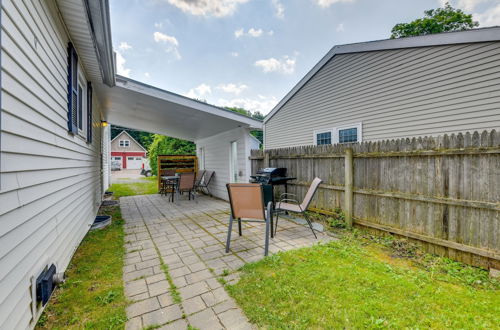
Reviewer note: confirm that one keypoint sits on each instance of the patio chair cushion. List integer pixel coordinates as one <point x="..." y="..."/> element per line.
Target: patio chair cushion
<point x="288" y="207"/>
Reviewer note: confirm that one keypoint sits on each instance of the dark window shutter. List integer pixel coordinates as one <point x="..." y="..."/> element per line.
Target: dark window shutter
<point x="89" y="112"/>
<point x="72" y="89"/>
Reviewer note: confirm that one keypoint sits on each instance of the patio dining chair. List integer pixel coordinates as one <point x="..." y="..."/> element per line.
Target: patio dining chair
<point x="247" y="205"/>
<point x="203" y="184"/>
<point x="292" y="205"/>
<point x="186" y="184"/>
<point x="165" y="185"/>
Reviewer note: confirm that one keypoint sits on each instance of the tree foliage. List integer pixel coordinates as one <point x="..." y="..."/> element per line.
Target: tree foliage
<point x="435" y="21"/>
<point x="256" y="115"/>
<point x="165" y="145"/>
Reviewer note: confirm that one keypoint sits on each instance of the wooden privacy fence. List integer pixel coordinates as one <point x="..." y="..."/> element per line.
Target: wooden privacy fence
<point x="441" y="191"/>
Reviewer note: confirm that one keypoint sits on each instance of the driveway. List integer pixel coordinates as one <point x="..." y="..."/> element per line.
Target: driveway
<point x="126" y="176"/>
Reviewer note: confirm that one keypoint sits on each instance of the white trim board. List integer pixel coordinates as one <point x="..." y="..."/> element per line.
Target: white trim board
<point x="447" y="38"/>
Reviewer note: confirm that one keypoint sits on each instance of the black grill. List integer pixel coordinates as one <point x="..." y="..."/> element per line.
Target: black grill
<point x="271" y="176"/>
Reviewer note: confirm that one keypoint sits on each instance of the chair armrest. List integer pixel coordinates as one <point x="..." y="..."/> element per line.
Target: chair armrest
<point x="290" y="200"/>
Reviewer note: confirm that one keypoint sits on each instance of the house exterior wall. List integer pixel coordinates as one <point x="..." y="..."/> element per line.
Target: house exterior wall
<point x="51" y="185"/>
<point x="394" y="94"/>
<point x="134" y="146"/>
<point x="217" y="151"/>
<point x="124" y="156"/>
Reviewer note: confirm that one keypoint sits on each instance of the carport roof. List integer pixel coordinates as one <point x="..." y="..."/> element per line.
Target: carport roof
<point x="140" y="106"/>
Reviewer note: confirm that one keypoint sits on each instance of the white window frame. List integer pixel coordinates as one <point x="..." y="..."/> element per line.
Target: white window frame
<point x="124" y="146"/>
<point x="335" y="133"/>
<point x="83" y="84"/>
<point x="320" y="131"/>
<point x="358" y="126"/>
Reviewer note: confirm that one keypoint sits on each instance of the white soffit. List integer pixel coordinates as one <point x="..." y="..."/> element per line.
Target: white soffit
<point x="139" y="106"/>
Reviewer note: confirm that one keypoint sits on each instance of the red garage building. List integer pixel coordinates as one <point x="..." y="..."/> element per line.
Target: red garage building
<point x="126" y="152"/>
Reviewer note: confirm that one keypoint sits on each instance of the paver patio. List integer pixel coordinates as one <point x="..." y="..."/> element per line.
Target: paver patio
<point x="189" y="237"/>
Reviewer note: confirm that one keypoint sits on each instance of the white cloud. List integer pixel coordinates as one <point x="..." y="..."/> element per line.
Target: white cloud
<point x="489" y="17"/>
<point x="199" y="92"/>
<point x="232" y="88"/>
<point x="159" y="25"/>
<point x="285" y="65"/>
<point x="239" y="33"/>
<point x="170" y="42"/>
<point x="262" y="104"/>
<point x="255" y="32"/>
<point x="467" y="5"/>
<point x="147" y="75"/>
<point x="162" y="37"/>
<point x="235" y="54"/>
<point x="124" y="46"/>
<point x="340" y="27"/>
<point x="328" y="3"/>
<point x="120" y="65"/>
<point x="280" y="9"/>
<point x="217" y="8"/>
<point x="252" y="32"/>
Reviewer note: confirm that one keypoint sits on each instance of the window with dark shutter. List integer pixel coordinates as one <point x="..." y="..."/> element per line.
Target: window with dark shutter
<point x="72" y="89"/>
<point x="89" y="112"/>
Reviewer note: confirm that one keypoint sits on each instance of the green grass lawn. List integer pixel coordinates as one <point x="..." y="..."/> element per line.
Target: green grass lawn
<point x="92" y="296"/>
<point x="355" y="284"/>
<point x="147" y="186"/>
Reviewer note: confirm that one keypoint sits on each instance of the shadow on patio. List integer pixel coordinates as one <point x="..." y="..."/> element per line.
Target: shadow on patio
<point x="189" y="238"/>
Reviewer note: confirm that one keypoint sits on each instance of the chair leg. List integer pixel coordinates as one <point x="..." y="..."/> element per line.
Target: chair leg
<point x="266" y="246"/>
<point x="310" y="225"/>
<point x="276" y="223"/>
<point x="239" y="227"/>
<point x="229" y="230"/>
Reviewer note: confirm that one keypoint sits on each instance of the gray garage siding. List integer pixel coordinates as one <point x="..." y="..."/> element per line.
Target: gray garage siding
<point x="50" y="180"/>
<point x="396" y="93"/>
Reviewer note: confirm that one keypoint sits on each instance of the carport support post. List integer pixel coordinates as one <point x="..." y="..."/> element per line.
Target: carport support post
<point x="348" y="193"/>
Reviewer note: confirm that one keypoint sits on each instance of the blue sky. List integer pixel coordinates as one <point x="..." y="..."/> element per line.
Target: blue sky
<point x="250" y="53"/>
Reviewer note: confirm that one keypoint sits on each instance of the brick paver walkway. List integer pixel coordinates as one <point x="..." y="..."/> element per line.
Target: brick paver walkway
<point x="186" y="241"/>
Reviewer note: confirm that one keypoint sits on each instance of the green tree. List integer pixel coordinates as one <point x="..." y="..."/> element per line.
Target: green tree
<point x="165" y="145"/>
<point x="435" y="21"/>
<point x="256" y="115"/>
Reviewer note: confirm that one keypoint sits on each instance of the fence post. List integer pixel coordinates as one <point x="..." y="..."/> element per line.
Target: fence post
<point x="348" y="194"/>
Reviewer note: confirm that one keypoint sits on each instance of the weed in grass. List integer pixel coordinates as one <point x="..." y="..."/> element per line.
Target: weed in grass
<point x="225" y="272"/>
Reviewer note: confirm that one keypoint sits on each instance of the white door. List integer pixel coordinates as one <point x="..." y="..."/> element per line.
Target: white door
<point x="134" y="163"/>
<point x="233" y="162"/>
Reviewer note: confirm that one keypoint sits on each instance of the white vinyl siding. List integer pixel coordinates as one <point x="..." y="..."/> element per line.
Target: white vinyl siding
<point x="217" y="150"/>
<point x="396" y="93"/>
<point x="50" y="180"/>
